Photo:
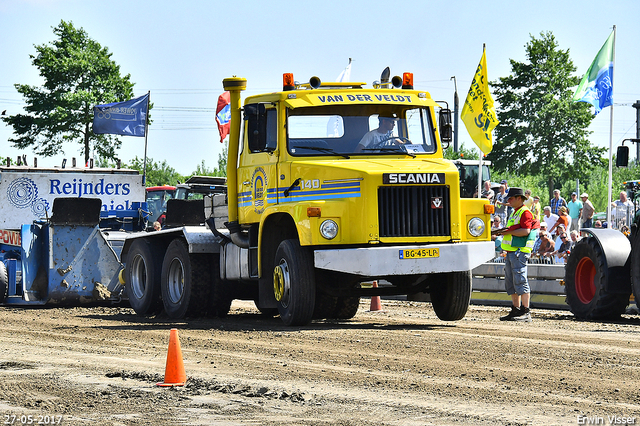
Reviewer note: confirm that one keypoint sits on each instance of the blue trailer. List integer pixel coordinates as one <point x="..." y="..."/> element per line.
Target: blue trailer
<point x="65" y="260"/>
<point x="61" y="232"/>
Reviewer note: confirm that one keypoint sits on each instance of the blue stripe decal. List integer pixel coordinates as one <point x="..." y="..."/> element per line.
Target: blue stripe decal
<point x="325" y="197"/>
<point x="327" y="192"/>
<point x="332" y="191"/>
<point x="339" y="185"/>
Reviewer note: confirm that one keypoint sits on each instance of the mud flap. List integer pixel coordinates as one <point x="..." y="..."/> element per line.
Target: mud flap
<point x="617" y="249"/>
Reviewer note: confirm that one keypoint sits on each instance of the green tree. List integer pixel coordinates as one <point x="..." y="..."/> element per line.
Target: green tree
<point x="596" y="183"/>
<point x="463" y="152"/>
<point x="106" y="163"/>
<point x="536" y="183"/>
<point x="222" y="160"/>
<point x="78" y="74"/>
<point x="157" y="173"/>
<point x="203" y="170"/>
<point x="220" y="171"/>
<point x="542" y="131"/>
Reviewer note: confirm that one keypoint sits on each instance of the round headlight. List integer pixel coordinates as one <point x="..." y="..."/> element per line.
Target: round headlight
<point x="476" y="226"/>
<point x="329" y="229"/>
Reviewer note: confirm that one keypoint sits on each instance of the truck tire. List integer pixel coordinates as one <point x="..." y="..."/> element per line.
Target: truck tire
<point x="586" y="283"/>
<point x="267" y="312"/>
<point x="451" y="295"/>
<point x="294" y="283"/>
<point x="4" y="282"/>
<point x="185" y="281"/>
<point x="346" y="307"/>
<point x="325" y="306"/>
<point x="219" y="297"/>
<point x="142" y="277"/>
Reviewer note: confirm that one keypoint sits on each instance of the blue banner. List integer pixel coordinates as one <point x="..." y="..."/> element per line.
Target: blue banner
<point x="121" y="118"/>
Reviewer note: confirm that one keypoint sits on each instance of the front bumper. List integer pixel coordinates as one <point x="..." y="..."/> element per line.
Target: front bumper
<point x="385" y="260"/>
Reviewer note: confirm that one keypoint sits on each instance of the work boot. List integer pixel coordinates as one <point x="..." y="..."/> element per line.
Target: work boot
<point x="511" y="315"/>
<point x="525" y="315"/>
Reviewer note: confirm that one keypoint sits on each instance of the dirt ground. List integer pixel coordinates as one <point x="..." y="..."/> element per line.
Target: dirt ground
<point x="403" y="366"/>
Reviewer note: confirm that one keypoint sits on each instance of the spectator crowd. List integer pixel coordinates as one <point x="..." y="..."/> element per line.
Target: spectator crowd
<point x="560" y="220"/>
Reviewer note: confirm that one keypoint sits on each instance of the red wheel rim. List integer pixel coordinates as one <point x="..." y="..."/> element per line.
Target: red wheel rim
<point x="585" y="280"/>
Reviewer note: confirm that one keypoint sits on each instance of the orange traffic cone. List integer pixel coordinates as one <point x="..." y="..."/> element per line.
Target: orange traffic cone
<point x="375" y="301"/>
<point x="174" y="374"/>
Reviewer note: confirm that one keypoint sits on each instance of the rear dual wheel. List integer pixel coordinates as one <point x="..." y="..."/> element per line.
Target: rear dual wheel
<point x="190" y="285"/>
<point x="586" y="284"/>
<point x="142" y="277"/>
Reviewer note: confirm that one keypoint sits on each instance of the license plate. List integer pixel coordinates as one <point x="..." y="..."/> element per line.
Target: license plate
<point x="419" y="253"/>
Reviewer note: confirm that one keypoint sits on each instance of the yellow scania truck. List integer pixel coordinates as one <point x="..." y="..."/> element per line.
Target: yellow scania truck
<point x="329" y="185"/>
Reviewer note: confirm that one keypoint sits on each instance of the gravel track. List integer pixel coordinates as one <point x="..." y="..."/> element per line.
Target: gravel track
<point x="403" y="366"/>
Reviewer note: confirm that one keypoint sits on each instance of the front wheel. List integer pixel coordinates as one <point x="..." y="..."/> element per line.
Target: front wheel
<point x="451" y="295"/>
<point x="586" y="283"/>
<point x="294" y="283"/>
<point x="325" y="306"/>
<point x="185" y="281"/>
<point x="346" y="307"/>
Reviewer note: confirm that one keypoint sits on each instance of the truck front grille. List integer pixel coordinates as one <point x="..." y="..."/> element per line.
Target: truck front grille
<point x="408" y="211"/>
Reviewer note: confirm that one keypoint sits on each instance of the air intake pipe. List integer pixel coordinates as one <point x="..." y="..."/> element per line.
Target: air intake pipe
<point x="234" y="85"/>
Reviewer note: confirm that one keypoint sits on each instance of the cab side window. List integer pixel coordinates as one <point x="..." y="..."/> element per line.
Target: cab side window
<point x="262" y="127"/>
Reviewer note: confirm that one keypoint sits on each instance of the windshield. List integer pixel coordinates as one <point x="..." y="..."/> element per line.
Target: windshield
<point x="360" y="130"/>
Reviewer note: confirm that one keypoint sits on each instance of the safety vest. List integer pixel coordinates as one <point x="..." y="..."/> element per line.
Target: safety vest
<point x="512" y="243"/>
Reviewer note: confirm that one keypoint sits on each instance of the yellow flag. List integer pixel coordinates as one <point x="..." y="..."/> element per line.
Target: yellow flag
<point x="478" y="114"/>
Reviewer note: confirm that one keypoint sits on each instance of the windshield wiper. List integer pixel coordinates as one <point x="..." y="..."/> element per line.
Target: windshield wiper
<point x="389" y="149"/>
<point x="326" y="150"/>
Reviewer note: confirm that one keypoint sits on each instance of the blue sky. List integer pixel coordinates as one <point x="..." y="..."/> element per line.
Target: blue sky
<point x="181" y="51"/>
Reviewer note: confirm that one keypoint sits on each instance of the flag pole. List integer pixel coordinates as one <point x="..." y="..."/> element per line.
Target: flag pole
<point x="610" y="190"/>
<point x="484" y="46"/>
<point x="480" y="173"/>
<point x="146" y="133"/>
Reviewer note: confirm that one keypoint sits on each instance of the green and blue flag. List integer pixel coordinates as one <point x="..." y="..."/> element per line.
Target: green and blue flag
<point x="596" y="86"/>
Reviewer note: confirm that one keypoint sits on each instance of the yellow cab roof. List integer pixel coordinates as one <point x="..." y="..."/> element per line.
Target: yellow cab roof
<point x="333" y="94"/>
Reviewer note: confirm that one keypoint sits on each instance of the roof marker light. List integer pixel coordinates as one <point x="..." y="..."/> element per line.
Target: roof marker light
<point x="407" y="80"/>
<point x="287" y="81"/>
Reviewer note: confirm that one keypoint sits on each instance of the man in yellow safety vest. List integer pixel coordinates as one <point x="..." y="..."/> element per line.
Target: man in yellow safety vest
<point x="519" y="236"/>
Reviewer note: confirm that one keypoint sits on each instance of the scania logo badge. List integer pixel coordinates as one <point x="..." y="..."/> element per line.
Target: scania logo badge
<point x="436" y="203"/>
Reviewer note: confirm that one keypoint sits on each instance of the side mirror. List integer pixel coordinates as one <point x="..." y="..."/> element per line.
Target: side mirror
<point x="256" y="117"/>
<point x="445" y="127"/>
<point x="622" y="156"/>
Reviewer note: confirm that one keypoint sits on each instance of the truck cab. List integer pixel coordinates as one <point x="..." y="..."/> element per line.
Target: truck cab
<point x="329" y="186"/>
<point x="308" y="181"/>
